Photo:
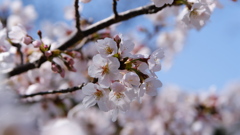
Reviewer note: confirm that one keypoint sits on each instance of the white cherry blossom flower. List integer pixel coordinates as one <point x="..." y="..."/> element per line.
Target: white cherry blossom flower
<point x="119" y="101"/>
<point x="105" y="69"/>
<point x="6" y="62"/>
<point x="17" y="33"/>
<point x="107" y="47"/>
<point x="160" y="3"/>
<point x="4" y="44"/>
<point x="150" y="86"/>
<point x="126" y="46"/>
<point x="197" y="17"/>
<point x="154" y="60"/>
<point x="131" y="78"/>
<point x="95" y="94"/>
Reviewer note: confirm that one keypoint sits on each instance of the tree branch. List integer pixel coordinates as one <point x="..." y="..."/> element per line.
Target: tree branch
<point x="78" y="36"/>
<point x="77" y="15"/>
<point x="150" y="9"/>
<point x="67" y="90"/>
<point x="115" y="8"/>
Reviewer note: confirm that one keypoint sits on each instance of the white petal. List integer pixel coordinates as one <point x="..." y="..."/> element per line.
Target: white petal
<point x="102" y="106"/>
<point x="89" y="89"/>
<point x="89" y="101"/>
<point x="105" y="81"/>
<point x="114" y="114"/>
<point x="151" y="92"/>
<point x="94" y="71"/>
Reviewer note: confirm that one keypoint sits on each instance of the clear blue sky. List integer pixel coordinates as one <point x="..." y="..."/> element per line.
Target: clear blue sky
<point x="210" y="57"/>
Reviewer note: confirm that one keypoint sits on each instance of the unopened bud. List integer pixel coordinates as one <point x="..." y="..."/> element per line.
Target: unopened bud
<point x="62" y="73"/>
<point x="69" y="64"/>
<point x="48" y="54"/>
<point x="27" y="40"/>
<point x="46" y="46"/>
<point x="39" y="34"/>
<point x="57" y="69"/>
<point x="117" y="39"/>
<point x="37" y="43"/>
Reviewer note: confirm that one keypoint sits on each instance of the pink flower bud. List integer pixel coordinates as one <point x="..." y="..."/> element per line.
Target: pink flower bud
<point x="57" y="69"/>
<point x="62" y="73"/>
<point x="69" y="60"/>
<point x="69" y="63"/>
<point x="46" y="46"/>
<point x="73" y="69"/>
<point x="117" y="38"/>
<point x="27" y="40"/>
<point x="36" y="43"/>
<point x="48" y="54"/>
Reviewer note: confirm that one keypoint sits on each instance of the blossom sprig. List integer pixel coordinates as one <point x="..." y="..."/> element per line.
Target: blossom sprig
<point x="18" y="34"/>
<point x="122" y="76"/>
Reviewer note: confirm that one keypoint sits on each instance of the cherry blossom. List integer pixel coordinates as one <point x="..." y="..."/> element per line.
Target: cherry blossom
<point x="105" y="69"/>
<point x="197" y="16"/>
<point x="150" y="86"/>
<point x="18" y="34"/>
<point x="131" y="78"/>
<point x="106" y="47"/>
<point x="95" y="94"/>
<point x="126" y="46"/>
<point x="118" y="99"/>
<point x="154" y="60"/>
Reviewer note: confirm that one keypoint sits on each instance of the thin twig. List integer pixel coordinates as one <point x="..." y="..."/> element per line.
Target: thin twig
<point x="77" y="15"/>
<point x="78" y="36"/>
<point x="115" y="8"/>
<point x="67" y="90"/>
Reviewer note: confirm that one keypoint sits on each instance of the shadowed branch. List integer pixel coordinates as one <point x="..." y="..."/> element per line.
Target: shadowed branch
<point x="67" y="90"/>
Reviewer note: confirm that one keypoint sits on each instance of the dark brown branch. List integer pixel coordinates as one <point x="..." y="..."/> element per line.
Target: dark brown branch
<point x="67" y="90"/>
<point x="78" y="36"/>
<point x="115" y="8"/>
<point x="77" y="15"/>
<point x="150" y="9"/>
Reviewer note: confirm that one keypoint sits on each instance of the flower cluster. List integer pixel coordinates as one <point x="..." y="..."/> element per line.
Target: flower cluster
<point x="173" y="111"/>
<point x="122" y="76"/>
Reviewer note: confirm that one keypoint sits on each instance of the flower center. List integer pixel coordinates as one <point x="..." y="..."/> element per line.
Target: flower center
<point x="105" y="69"/>
<point x="118" y="95"/>
<point x="98" y="94"/>
<point x="194" y="13"/>
<point x="108" y="50"/>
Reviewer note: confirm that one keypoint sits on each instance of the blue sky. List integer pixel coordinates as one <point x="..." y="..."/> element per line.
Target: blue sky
<point x="210" y="57"/>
